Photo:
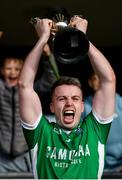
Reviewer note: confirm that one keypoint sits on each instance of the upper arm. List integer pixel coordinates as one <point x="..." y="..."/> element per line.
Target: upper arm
<point x="30" y="105"/>
<point x="104" y="100"/>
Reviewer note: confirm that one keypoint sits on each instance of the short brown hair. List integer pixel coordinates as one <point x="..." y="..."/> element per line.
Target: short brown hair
<point x="15" y="59"/>
<point x="64" y="80"/>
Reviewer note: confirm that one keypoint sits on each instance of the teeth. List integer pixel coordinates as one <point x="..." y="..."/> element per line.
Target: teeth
<point x="69" y="111"/>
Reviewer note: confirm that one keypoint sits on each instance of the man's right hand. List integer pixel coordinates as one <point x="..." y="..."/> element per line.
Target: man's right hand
<point x="43" y="27"/>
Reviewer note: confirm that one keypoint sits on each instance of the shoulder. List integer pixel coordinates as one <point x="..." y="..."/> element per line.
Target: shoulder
<point x="2" y="85"/>
<point x="1" y="82"/>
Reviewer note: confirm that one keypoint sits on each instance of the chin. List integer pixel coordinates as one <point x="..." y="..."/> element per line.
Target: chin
<point x="70" y="126"/>
<point x="12" y="85"/>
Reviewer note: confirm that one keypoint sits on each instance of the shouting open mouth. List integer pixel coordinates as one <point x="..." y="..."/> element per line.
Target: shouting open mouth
<point x="68" y="116"/>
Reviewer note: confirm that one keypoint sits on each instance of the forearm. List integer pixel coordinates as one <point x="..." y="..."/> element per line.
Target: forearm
<point x="31" y="64"/>
<point x="100" y="64"/>
<point x="30" y="67"/>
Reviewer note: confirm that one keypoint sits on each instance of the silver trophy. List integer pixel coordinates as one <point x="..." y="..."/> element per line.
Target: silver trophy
<point x="69" y="44"/>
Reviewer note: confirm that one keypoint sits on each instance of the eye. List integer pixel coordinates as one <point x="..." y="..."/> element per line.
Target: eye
<point x="76" y="98"/>
<point x="61" y="98"/>
<point x="8" y="68"/>
<point x="17" y="69"/>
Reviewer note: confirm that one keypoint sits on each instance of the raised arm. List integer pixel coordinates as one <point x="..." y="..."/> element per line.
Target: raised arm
<point x="104" y="99"/>
<point x="30" y="106"/>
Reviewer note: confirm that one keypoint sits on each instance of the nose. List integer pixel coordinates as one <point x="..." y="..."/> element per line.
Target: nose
<point x="13" y="71"/>
<point x="69" y="102"/>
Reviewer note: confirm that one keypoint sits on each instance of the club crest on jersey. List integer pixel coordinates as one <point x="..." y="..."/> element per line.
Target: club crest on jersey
<point x="56" y="130"/>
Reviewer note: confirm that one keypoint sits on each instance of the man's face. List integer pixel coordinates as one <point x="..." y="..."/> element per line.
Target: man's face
<point x="11" y="71"/>
<point x="67" y="105"/>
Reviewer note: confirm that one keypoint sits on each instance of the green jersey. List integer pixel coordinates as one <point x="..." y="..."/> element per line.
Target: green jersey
<point x="76" y="155"/>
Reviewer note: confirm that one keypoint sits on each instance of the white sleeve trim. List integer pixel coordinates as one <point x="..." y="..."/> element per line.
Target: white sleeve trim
<point x="104" y="120"/>
<point x="31" y="126"/>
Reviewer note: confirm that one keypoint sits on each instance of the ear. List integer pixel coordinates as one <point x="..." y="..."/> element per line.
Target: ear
<point x="51" y="107"/>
